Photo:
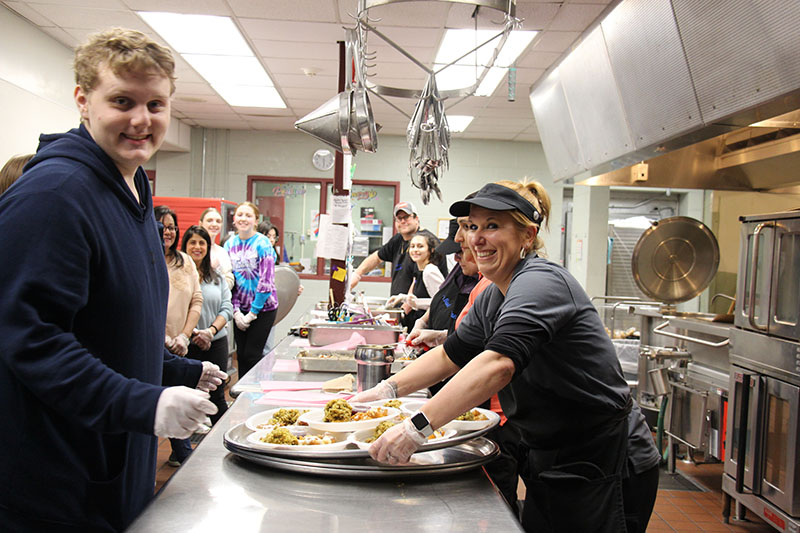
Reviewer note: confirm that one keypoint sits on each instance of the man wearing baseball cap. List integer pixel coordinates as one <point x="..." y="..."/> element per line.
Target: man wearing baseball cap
<point x="396" y="251"/>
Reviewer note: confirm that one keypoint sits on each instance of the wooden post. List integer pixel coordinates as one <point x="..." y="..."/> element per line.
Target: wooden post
<point x="338" y="288"/>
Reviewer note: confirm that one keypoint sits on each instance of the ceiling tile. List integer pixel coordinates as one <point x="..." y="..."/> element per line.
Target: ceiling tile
<point x="193" y="88"/>
<point x="555" y="41"/>
<point x="287" y="81"/>
<point x="298" y="10"/>
<point x="263" y="112"/>
<point x="270" y="123"/>
<point x="410" y="36"/>
<point x="575" y="17"/>
<point x="528" y="137"/>
<point x="322" y="67"/>
<point x="385" y="70"/>
<point x="387" y="54"/>
<point x="299" y="50"/>
<point x="212" y="106"/>
<point x="29" y="13"/>
<point x="224" y="124"/>
<point x="534" y="59"/>
<point x="199" y="7"/>
<point x="111" y="4"/>
<point x="61" y="36"/>
<point x="528" y="75"/>
<point x="89" y="18"/>
<point x="537" y="16"/>
<point x="407" y="14"/>
<point x="310" y="93"/>
<point x="279" y="30"/>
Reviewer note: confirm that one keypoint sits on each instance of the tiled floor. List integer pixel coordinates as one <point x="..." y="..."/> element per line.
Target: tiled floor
<point x="680" y="510"/>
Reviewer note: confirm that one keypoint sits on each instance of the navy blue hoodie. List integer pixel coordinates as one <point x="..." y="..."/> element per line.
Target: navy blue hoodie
<point x="84" y="297"/>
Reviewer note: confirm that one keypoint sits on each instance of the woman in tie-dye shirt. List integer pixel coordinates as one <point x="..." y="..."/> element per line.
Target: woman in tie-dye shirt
<point x="254" y="300"/>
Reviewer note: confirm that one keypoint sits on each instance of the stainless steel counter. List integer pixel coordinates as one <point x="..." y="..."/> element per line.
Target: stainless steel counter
<point x="216" y="491"/>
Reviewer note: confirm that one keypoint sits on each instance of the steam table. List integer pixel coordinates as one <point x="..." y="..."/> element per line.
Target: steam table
<point x="215" y="490"/>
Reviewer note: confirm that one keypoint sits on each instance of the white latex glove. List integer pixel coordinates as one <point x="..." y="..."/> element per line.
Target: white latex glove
<point x="381" y="391"/>
<point x="431" y="337"/>
<point x="181" y="411"/>
<point x="395" y="301"/>
<point x="211" y="378"/>
<point x="397" y="444"/>
<point x="179" y="345"/>
<point x="241" y="323"/>
<point x="249" y="317"/>
<point x="419" y="325"/>
<point x="202" y="338"/>
<point x="411" y="301"/>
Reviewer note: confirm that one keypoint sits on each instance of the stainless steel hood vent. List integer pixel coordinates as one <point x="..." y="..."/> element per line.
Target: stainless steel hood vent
<point x="658" y="77"/>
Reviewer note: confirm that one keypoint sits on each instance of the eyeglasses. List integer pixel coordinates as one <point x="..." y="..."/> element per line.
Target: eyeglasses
<point x="171" y="228"/>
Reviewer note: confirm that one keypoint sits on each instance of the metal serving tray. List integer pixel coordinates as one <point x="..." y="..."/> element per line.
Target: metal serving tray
<point x="451" y="460"/>
<point x="324" y="334"/>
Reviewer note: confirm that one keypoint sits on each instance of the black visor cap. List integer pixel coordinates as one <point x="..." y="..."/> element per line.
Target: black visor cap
<point x="497" y="198"/>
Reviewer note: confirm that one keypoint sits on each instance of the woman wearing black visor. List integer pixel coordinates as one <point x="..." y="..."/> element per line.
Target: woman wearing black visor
<point x="534" y="338"/>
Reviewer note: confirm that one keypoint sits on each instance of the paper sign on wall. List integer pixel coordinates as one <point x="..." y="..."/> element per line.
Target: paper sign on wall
<point x="340" y="211"/>
<point x="339" y="273"/>
<point x="333" y="239"/>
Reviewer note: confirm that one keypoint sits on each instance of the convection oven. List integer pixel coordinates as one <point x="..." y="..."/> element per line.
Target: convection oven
<point x="762" y="473"/>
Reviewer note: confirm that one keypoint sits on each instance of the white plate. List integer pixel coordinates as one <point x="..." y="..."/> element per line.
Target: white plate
<point x="261" y="418"/>
<point x="359" y="437"/>
<point x="473" y="425"/>
<point x="314" y="419"/>
<point x="412" y="406"/>
<point x="255" y="438"/>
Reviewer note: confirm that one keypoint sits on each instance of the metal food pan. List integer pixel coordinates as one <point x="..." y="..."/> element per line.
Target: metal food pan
<point x="340" y="365"/>
<point x="324" y="334"/>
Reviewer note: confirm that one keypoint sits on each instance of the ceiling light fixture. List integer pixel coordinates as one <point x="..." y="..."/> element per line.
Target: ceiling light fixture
<point x="226" y="61"/>
<point x="466" y="70"/>
<point x="458" y="123"/>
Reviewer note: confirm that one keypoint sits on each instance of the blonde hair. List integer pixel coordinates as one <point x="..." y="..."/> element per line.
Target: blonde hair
<point x="122" y="51"/>
<point x="252" y="206"/>
<point x="535" y="193"/>
<point x="12" y="170"/>
<point x="207" y="211"/>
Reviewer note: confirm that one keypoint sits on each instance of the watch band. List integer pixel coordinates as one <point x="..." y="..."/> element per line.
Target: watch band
<point x="421" y="424"/>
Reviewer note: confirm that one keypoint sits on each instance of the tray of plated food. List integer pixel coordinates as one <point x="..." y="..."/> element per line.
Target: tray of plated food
<point x="339" y="431"/>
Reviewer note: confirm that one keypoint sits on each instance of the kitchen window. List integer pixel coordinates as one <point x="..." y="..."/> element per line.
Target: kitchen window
<point x="294" y="205"/>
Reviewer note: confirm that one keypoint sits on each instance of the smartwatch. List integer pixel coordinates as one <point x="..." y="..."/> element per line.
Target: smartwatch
<point x="422" y="424"/>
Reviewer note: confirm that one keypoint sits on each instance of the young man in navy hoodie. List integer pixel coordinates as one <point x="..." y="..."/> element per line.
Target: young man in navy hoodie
<point x="84" y="297"/>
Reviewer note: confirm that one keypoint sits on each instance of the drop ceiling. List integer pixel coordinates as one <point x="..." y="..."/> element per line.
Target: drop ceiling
<point x="296" y="42"/>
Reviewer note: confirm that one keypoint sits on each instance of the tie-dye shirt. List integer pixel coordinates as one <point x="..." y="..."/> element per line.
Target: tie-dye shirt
<point x="253" y="261"/>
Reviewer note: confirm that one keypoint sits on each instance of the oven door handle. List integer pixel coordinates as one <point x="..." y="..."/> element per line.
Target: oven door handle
<point x="741" y="428"/>
<point x="660" y="330"/>
<point x="751" y="297"/>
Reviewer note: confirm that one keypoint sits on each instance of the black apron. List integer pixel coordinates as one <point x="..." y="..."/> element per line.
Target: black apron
<point x="446" y="306"/>
<point x="578" y="487"/>
<point x="420" y="292"/>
